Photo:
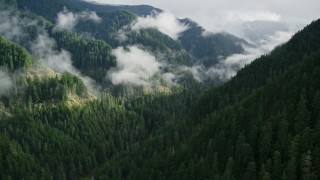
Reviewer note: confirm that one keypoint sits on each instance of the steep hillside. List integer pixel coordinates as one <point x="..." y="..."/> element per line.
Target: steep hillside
<point x="56" y="111"/>
<point x="49" y="9"/>
<point x="264" y="69"/>
<point x="141" y="10"/>
<point x="208" y="47"/>
<point x="205" y="49"/>
<point x="92" y="57"/>
<point x="13" y="57"/>
<point x="262" y="124"/>
<point x="50" y="125"/>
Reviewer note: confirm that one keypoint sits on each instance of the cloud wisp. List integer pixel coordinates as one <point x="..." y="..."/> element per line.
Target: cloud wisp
<point x="229" y="66"/>
<point x="138" y="67"/>
<point x="196" y="72"/>
<point x="60" y="61"/>
<point x="12" y="26"/>
<point x="135" y="66"/>
<point x="166" y="22"/>
<point x="67" y="20"/>
<point x="6" y="83"/>
<point x="230" y="15"/>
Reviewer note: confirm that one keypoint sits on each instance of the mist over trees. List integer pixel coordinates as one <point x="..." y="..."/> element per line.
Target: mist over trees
<point x="72" y="105"/>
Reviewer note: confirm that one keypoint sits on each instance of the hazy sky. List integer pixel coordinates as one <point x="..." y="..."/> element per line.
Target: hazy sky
<point x="216" y="15"/>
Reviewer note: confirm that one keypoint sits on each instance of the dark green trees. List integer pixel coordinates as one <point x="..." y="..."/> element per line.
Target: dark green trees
<point x="13" y="57"/>
<point x="262" y="124"/>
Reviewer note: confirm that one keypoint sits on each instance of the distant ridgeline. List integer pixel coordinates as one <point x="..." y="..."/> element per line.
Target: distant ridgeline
<point x="205" y="48"/>
<point x="91" y="43"/>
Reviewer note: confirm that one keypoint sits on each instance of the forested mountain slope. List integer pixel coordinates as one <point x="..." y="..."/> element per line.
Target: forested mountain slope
<point x="205" y="48"/>
<point x="49" y="123"/>
<point x="208" y="47"/>
<point x="93" y="56"/>
<point x="49" y="9"/>
<point x="264" y="69"/>
<point x="12" y="56"/>
<point x="262" y="124"/>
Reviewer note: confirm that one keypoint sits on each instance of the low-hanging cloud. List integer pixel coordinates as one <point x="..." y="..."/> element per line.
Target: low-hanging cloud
<point x="60" y="61"/>
<point x="67" y="20"/>
<point x="9" y="26"/>
<point x="228" y="67"/>
<point x="12" y="26"/>
<point x="228" y="15"/>
<point x="6" y="82"/>
<point x="135" y="66"/>
<point x="166" y="22"/>
<point x="196" y="72"/>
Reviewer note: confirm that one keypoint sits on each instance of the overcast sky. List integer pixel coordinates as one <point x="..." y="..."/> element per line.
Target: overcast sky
<point x="226" y="15"/>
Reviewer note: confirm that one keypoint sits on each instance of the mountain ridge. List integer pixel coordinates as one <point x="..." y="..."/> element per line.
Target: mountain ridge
<point x="242" y="137"/>
<point x="263" y="123"/>
<point x="210" y="47"/>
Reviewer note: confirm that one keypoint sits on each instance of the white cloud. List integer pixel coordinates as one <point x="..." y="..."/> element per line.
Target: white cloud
<point x="44" y="49"/>
<point x="224" y="70"/>
<point x="67" y="20"/>
<point x="233" y="21"/>
<point x="170" y="78"/>
<point x="229" y="66"/>
<point x="6" y="83"/>
<point x="134" y="66"/>
<point x="60" y="61"/>
<point x="166" y="22"/>
<point x="9" y="26"/>
<point x="245" y="16"/>
<point x="274" y="40"/>
<point x="121" y="36"/>
<point x="229" y="15"/>
<point x="196" y="72"/>
<point x="12" y="26"/>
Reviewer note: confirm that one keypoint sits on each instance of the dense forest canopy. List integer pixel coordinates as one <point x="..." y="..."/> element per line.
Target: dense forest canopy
<point x="63" y="117"/>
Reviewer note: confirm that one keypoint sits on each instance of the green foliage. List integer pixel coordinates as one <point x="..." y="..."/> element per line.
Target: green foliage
<point x="262" y="124"/>
<point x="262" y="70"/>
<point x="208" y="47"/>
<point x="109" y="26"/>
<point x="92" y="57"/>
<point x="12" y="56"/>
<point x="55" y="89"/>
<point x="50" y="9"/>
<point x="266" y="129"/>
<point x="154" y="39"/>
<point x="45" y="8"/>
<point x="69" y="142"/>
